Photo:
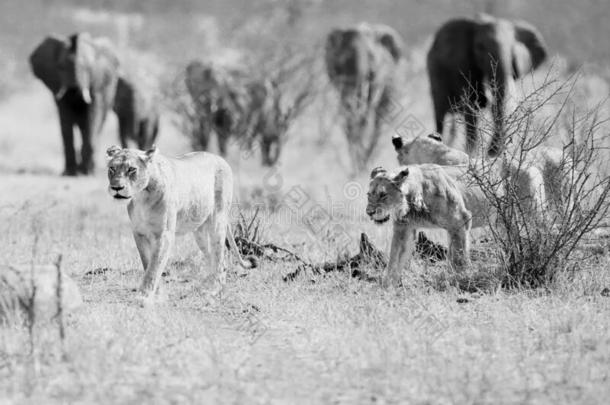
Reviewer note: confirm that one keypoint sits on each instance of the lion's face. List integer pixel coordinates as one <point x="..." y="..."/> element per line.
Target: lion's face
<point x="128" y="172"/>
<point x="384" y="195"/>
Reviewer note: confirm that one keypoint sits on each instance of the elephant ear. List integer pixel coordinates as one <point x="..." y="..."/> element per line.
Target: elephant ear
<point x="82" y="45"/>
<point x="106" y="49"/>
<point x="390" y="39"/>
<point x="529" y="50"/>
<point x="104" y="60"/>
<point x="45" y="61"/>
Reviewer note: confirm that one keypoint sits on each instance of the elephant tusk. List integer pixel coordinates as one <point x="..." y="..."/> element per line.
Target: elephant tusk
<point x="61" y="93"/>
<point x="86" y="94"/>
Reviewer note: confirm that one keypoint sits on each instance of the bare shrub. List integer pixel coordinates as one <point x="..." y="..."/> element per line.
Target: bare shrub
<point x="533" y="246"/>
<point x="257" y="102"/>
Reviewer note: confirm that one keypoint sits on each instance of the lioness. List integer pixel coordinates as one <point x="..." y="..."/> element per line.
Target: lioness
<point x="425" y="196"/>
<point x="168" y="196"/>
<point x="533" y="177"/>
<point x="427" y="149"/>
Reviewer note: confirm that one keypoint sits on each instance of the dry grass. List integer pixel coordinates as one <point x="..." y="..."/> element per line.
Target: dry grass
<point x="329" y="339"/>
<point x="333" y="340"/>
<point x="337" y="339"/>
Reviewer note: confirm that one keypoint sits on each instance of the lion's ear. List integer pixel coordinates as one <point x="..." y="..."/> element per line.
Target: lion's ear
<point x="397" y="142"/>
<point x="436" y="136"/>
<point x="111" y="151"/>
<point x="401" y="176"/>
<point x="377" y="171"/>
<point x="151" y="153"/>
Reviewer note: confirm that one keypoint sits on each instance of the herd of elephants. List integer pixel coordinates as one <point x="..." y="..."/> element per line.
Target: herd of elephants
<point x="471" y="64"/>
<point x="362" y="63"/>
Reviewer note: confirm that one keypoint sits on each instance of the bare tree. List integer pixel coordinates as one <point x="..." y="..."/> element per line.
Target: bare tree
<point x="533" y="248"/>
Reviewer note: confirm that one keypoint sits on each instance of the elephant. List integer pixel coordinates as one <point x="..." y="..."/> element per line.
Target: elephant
<point x="201" y="84"/>
<point x="232" y="103"/>
<point x="81" y="72"/>
<point x="363" y="64"/>
<point x="472" y="57"/>
<point x="137" y="111"/>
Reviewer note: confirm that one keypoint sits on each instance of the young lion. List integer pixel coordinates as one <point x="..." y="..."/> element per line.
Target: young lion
<point x="539" y="176"/>
<point x="424" y="196"/>
<point x="427" y="149"/>
<point x="168" y="196"/>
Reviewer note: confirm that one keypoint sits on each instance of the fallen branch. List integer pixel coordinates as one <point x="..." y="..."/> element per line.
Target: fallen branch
<point x="267" y="251"/>
<point x="248" y="236"/>
<point x="369" y="256"/>
<point x="429" y="250"/>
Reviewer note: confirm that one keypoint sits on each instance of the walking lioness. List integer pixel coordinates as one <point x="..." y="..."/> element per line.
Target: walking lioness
<point x="168" y="196"/>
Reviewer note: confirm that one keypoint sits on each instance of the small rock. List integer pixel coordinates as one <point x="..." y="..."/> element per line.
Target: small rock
<point x="16" y="290"/>
<point x="606" y="292"/>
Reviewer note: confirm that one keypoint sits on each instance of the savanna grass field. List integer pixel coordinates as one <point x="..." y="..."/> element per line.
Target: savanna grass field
<point x="320" y="338"/>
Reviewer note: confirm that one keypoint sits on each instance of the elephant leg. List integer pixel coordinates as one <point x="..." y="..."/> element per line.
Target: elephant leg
<point x="356" y="132"/>
<point x="266" y="152"/>
<point x="470" y="120"/>
<point x="123" y="131"/>
<point x="270" y="149"/>
<point x="441" y="107"/>
<point x="373" y="126"/>
<point x="66" y="121"/>
<point x="441" y="95"/>
<point x="142" y="131"/>
<point x="86" y="164"/>
<point x="149" y="129"/>
<point x="354" y="146"/>
<point x="90" y="128"/>
<point x="202" y="134"/>
<point x="223" y="137"/>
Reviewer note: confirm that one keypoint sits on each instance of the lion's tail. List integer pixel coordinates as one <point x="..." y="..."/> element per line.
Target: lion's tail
<point x="250" y="262"/>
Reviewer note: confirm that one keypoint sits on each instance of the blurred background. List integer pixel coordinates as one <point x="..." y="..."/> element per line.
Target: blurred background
<point x="161" y="37"/>
<point x="179" y="30"/>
